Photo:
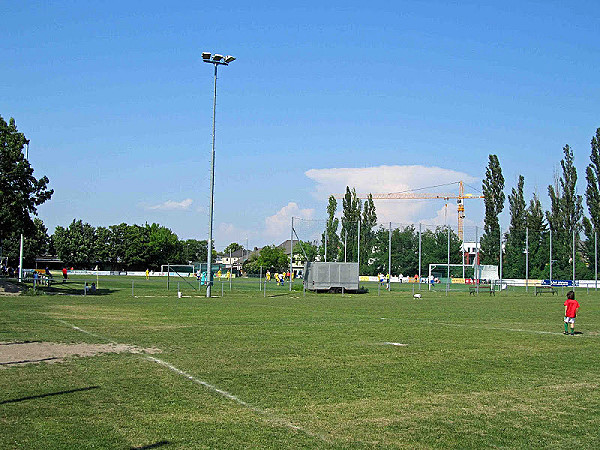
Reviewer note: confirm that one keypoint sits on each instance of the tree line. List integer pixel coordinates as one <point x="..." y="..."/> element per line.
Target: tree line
<point x="561" y="229"/>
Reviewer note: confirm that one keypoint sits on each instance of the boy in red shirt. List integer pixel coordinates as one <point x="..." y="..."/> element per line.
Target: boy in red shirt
<point x="571" y="308"/>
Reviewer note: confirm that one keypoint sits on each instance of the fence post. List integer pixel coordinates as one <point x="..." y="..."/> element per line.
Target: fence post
<point x="596" y="260"/>
<point x="550" y="256"/>
<point x="132" y="288"/>
<point x="390" y="258"/>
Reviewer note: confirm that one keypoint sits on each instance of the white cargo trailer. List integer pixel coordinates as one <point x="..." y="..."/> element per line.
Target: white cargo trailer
<point x="331" y="276"/>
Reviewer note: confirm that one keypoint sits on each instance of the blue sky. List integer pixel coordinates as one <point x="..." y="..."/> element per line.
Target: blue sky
<point x="384" y="96"/>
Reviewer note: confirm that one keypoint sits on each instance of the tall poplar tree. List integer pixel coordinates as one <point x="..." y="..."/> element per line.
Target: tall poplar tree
<point x="538" y="239"/>
<point x="367" y="233"/>
<point x="352" y="207"/>
<point x="493" y="190"/>
<point x="591" y="226"/>
<point x="331" y="227"/>
<point x="564" y="217"/>
<point x="515" y="237"/>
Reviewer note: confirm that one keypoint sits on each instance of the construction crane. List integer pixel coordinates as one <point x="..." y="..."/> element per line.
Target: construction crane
<point x="429" y="196"/>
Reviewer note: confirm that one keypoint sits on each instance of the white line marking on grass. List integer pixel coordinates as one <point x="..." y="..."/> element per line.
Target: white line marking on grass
<point x="271" y="418"/>
<point x="518" y="330"/>
<point x="397" y="344"/>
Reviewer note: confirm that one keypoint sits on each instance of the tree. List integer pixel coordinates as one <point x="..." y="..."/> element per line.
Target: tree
<point x="331" y="227"/>
<point x="75" y="245"/>
<point x="434" y="248"/>
<point x="592" y="196"/>
<point x="538" y="239"/>
<point x="270" y="257"/>
<point x="367" y="233"/>
<point x="36" y="244"/>
<point x="350" y="218"/>
<point x="516" y="234"/>
<point x="194" y="250"/>
<point x="565" y="215"/>
<point x="306" y="250"/>
<point x="163" y="246"/>
<point x="233" y="247"/>
<point x="493" y="191"/>
<point x="20" y="192"/>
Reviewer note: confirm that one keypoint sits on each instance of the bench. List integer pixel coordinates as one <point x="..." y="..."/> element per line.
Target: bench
<point x="483" y="288"/>
<point x="539" y="290"/>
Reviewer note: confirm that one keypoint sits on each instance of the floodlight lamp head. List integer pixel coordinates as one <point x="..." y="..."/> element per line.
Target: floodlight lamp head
<point x="229" y="59"/>
<point x="217" y="57"/>
<point x="206" y="56"/>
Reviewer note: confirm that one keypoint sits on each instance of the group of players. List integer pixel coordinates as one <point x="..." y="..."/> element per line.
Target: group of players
<point x="279" y="277"/>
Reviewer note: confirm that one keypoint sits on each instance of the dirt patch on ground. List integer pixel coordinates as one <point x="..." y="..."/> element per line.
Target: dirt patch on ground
<point x="20" y="353"/>
<point x="8" y="288"/>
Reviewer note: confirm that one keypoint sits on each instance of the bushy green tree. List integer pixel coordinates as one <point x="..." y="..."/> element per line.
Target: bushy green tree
<point x="270" y="257"/>
<point x="591" y="225"/>
<point x="36" y="244"/>
<point x="75" y="245"/>
<point x="20" y="192"/>
<point x="194" y="250"/>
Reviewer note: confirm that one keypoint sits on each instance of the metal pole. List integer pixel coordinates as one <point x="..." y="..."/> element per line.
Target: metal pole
<point x="22" y="239"/>
<point x="131" y="288"/>
<point x="212" y="196"/>
<point x="476" y="265"/>
<point x="260" y="280"/>
<point x="230" y="269"/>
<point x="596" y="260"/>
<point x="550" y="256"/>
<point x="292" y="252"/>
<point x="358" y="259"/>
<point x="500" y="274"/>
<point x="527" y="259"/>
<point x="573" y="259"/>
<point x="448" y="271"/>
<point x="345" y="244"/>
<point x="390" y="258"/>
<point x="326" y="233"/>
<point x="168" y="275"/>
<point x="419" y="256"/>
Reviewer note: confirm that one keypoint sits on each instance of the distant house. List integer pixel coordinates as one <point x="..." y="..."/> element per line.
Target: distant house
<point x="298" y="260"/>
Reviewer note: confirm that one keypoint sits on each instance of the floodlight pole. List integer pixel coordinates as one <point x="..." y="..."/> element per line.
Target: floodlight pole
<point x="550" y="256"/>
<point x="390" y="257"/>
<point x="22" y="239"/>
<point x="292" y="252"/>
<point x="216" y="61"/>
<point x="526" y="259"/>
<point x="419" y="255"/>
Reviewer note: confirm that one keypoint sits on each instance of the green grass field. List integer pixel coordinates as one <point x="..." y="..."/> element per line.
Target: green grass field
<point x="301" y="371"/>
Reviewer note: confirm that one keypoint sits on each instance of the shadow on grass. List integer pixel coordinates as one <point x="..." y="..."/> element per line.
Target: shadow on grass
<point x="26" y="361"/>
<point x="63" y="289"/>
<point x="155" y="445"/>
<point x="51" y="394"/>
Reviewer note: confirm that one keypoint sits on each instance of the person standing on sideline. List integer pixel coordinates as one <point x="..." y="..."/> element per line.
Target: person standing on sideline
<point x="65" y="276"/>
<point x="147" y="274"/>
<point x="571" y="308"/>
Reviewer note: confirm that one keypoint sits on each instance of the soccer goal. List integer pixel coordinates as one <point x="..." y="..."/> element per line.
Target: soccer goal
<point x="179" y="269"/>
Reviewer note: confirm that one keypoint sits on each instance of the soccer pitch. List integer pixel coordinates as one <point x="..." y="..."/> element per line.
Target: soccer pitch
<point x="289" y="370"/>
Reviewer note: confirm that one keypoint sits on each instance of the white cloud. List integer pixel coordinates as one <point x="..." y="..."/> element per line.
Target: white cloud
<point x="171" y="205"/>
<point x="277" y="226"/>
<point x="386" y="179"/>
